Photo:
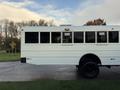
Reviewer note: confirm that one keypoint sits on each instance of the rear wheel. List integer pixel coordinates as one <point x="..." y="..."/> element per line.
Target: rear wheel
<point x="89" y="70"/>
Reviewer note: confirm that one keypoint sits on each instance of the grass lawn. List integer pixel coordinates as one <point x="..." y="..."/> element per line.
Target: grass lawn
<point x="62" y="85"/>
<point x="9" y="57"/>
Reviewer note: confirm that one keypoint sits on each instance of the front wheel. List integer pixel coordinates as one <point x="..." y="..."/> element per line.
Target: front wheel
<point x="89" y="70"/>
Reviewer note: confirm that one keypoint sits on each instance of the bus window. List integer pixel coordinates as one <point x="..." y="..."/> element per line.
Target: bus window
<point x="102" y="37"/>
<point x="31" y="37"/>
<point x="113" y="36"/>
<point x="78" y="37"/>
<point x="56" y="37"/>
<point x="44" y="37"/>
<point x="67" y="37"/>
<point x="90" y="37"/>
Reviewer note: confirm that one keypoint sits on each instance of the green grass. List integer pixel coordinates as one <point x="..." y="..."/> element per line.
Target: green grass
<point x="9" y="57"/>
<point x="62" y="85"/>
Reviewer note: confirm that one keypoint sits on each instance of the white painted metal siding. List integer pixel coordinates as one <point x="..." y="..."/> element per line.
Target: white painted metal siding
<point x="69" y="54"/>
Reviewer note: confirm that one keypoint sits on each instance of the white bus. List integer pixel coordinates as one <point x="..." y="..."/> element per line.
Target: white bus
<point x="87" y="47"/>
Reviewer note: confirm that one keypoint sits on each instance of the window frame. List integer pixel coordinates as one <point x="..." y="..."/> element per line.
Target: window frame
<point x="71" y="37"/>
<point x="31" y="32"/>
<point x="85" y="39"/>
<point x="49" y="37"/>
<point x="60" y="37"/>
<point x="82" y="37"/>
<point x="109" y="37"/>
<point x="106" y="37"/>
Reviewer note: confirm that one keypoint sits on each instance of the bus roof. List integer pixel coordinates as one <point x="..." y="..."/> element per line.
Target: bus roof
<point x="71" y="28"/>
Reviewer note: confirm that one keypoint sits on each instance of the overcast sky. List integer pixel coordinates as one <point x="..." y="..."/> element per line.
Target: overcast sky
<point x="75" y="12"/>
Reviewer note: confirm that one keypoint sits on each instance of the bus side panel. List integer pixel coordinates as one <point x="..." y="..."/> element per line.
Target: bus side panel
<point x="53" y="61"/>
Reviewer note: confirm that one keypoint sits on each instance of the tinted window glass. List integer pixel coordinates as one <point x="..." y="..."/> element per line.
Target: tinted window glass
<point x="78" y="37"/>
<point x="90" y="37"/>
<point x="113" y="36"/>
<point x="31" y="37"/>
<point x="45" y="37"/>
<point x="67" y="37"/>
<point x="101" y="37"/>
<point x="56" y="37"/>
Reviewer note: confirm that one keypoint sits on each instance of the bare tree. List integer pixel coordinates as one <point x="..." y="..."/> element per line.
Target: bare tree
<point x="5" y="27"/>
<point x="12" y="30"/>
<point x="42" y="22"/>
<point x="51" y="23"/>
<point x="1" y="38"/>
<point x="33" y="23"/>
<point x="96" y="22"/>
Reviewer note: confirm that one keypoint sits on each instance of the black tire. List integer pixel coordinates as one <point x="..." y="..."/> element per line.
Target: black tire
<point x="89" y="70"/>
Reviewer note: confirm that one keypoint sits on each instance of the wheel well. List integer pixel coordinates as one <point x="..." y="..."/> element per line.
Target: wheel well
<point x="89" y="57"/>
